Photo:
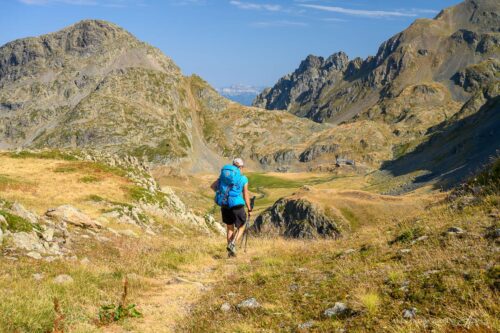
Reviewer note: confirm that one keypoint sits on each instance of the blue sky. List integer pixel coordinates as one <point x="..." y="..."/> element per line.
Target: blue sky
<point x="252" y="42"/>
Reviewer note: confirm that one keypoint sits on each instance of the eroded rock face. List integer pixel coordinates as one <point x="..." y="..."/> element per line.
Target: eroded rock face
<point x="336" y="89"/>
<point x="296" y="218"/>
<point x="304" y="85"/>
<point x="71" y="215"/>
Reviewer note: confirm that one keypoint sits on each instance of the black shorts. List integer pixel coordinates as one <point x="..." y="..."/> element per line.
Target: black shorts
<point x="236" y="215"/>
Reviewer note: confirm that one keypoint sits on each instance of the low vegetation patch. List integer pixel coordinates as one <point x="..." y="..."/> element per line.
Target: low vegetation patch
<point x="112" y="313"/>
<point x="8" y="183"/>
<point x="16" y="223"/>
<point x="49" y="154"/>
<point x="90" y="179"/>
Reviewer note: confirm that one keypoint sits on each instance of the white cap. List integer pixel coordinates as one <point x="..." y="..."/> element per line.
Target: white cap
<point x="238" y="162"/>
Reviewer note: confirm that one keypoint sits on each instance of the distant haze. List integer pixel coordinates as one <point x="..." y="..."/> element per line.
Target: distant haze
<point x="240" y="93"/>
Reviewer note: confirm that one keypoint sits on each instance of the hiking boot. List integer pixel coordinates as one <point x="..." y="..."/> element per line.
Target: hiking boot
<point x="231" y="249"/>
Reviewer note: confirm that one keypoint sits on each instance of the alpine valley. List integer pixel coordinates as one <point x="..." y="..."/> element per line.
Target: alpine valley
<point x="377" y="185"/>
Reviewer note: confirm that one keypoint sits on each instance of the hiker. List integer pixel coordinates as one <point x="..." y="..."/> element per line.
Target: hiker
<point x="231" y="194"/>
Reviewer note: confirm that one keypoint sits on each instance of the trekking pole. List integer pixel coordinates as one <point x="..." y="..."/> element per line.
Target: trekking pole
<point x="247" y="226"/>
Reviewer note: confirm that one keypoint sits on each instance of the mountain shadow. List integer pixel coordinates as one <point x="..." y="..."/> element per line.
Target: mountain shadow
<point x="457" y="146"/>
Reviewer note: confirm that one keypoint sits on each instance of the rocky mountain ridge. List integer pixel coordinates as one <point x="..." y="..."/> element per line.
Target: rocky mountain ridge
<point x="95" y="86"/>
<point x="428" y="51"/>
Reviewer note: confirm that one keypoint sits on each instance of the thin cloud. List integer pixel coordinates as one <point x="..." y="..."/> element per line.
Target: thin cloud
<point x="67" y="2"/>
<point x="255" y="6"/>
<point x="361" y="12"/>
<point x="334" y="19"/>
<point x="281" y="23"/>
<point x="102" y="3"/>
<point x="425" y="11"/>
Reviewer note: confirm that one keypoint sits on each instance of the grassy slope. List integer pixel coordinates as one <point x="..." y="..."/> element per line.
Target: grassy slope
<point x="41" y="183"/>
<point x="450" y="280"/>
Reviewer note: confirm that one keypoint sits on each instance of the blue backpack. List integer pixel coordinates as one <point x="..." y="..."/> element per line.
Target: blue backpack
<point x="229" y="190"/>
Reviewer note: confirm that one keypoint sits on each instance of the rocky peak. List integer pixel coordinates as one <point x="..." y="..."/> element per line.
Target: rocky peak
<point x="337" y="61"/>
<point x="88" y="36"/>
<point x="336" y="89"/>
<point x="81" y="40"/>
<point x="310" y="62"/>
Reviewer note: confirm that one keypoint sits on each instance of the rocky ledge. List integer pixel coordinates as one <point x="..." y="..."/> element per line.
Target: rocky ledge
<point x="296" y="218"/>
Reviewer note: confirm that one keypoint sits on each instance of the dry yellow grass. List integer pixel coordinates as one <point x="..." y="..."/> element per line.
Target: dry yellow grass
<point x="294" y="280"/>
<point x="50" y="183"/>
<point x="445" y="276"/>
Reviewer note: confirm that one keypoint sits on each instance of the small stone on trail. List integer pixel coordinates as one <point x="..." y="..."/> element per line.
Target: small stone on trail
<point x="404" y="251"/>
<point x="85" y="261"/>
<point x="34" y="255"/>
<point x="306" y="325"/>
<point x="338" y="308"/>
<point x="250" y="303"/>
<point x="63" y="279"/>
<point x="410" y="313"/>
<point x="294" y="287"/>
<point x="38" y="276"/>
<point x="225" y="307"/>
<point x="349" y="251"/>
<point x="419" y="239"/>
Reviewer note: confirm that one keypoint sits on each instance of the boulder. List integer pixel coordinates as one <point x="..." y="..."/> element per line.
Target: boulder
<point x="296" y="218"/>
<point x="72" y="215"/>
<point x="34" y="255"/>
<point x="225" y="307"/>
<point x="410" y="313"/>
<point x="338" y="309"/>
<point x="250" y="303"/>
<point x="19" y="210"/>
<point x="27" y="241"/>
<point x="48" y="234"/>
<point x="63" y="279"/>
<point x="307" y="325"/>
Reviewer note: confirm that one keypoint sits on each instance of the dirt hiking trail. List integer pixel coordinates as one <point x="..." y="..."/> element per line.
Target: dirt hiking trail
<point x="172" y="296"/>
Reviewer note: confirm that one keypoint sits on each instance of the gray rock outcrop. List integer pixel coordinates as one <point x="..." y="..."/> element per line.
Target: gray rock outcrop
<point x="71" y="215"/>
<point x="296" y="218"/>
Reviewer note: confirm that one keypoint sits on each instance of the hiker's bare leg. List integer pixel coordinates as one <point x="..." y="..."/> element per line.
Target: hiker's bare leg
<point x="241" y="231"/>
<point x="230" y="232"/>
